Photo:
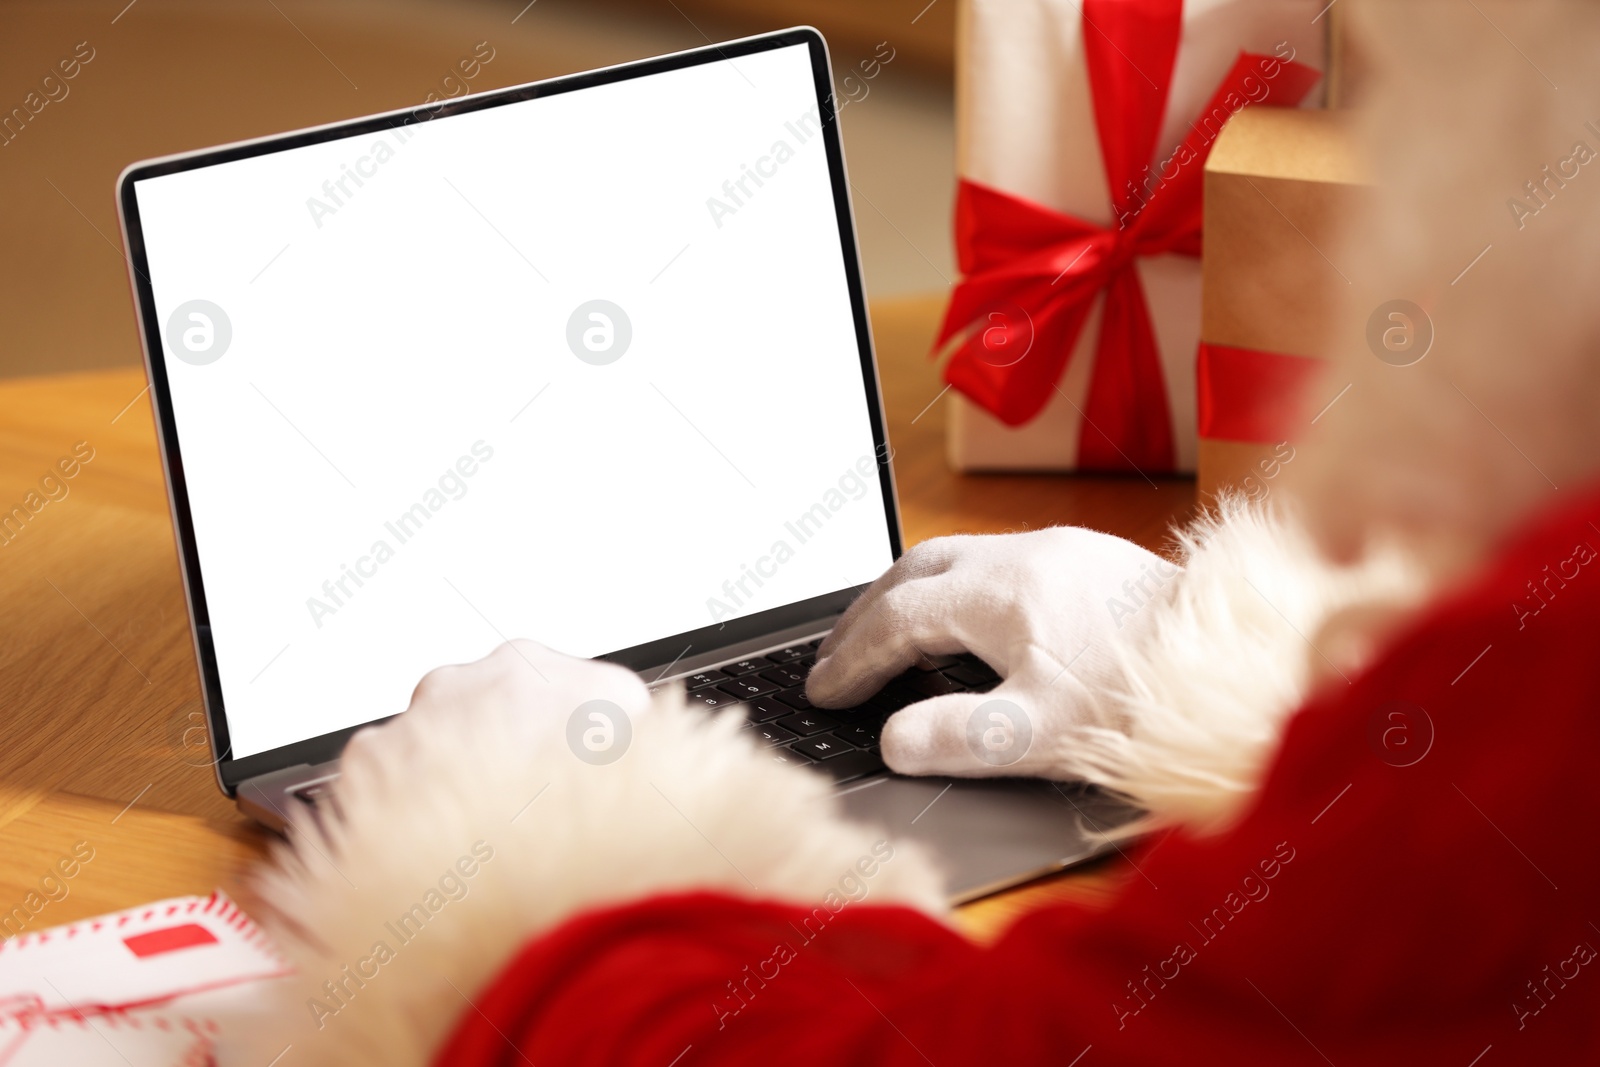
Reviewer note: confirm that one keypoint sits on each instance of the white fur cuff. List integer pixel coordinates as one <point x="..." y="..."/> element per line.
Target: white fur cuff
<point x="458" y="841"/>
<point x="1237" y="646"/>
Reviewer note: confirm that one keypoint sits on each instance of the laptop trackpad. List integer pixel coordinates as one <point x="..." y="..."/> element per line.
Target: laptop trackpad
<point x="987" y="834"/>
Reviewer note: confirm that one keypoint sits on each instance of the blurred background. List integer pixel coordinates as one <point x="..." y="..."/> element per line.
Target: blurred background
<point x="159" y="76"/>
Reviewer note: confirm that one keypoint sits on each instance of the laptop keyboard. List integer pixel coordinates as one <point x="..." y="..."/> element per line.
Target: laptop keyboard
<point x="842" y="743"/>
<point x="770" y="690"/>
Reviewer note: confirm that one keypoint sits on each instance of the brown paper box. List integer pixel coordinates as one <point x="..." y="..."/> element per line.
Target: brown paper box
<point x="1280" y="187"/>
<point x="1348" y="73"/>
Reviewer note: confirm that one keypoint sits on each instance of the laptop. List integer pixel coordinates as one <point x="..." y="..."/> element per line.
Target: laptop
<point x="585" y="361"/>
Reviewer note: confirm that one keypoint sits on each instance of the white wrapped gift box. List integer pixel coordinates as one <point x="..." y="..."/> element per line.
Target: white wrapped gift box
<point x="1026" y="125"/>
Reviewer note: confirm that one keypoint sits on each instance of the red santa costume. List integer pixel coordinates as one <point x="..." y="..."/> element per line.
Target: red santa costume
<point x="1370" y="783"/>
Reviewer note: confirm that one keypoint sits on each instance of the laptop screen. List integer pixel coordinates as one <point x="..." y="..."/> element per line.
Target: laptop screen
<point x="581" y="368"/>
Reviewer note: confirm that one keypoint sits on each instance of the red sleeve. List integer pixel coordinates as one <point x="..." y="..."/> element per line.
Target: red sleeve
<point x="1420" y="896"/>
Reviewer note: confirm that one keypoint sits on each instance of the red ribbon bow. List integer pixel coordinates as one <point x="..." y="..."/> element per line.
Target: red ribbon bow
<point x="1031" y="274"/>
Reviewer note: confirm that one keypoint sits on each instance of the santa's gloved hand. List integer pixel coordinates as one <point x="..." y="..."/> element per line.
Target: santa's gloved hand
<point x="522" y="692"/>
<point x="1045" y="609"/>
<point x="522" y="677"/>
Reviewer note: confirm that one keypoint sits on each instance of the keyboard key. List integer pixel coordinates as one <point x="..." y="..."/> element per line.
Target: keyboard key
<point x="314" y="795"/>
<point x="711" y="698"/>
<point x="789" y="655"/>
<point x="814" y="644"/>
<point x="861" y="735"/>
<point x="969" y="676"/>
<point x="824" y="746"/>
<point x="895" y="697"/>
<point x="869" y="712"/>
<point x="790" y="756"/>
<point x="744" y="666"/>
<point x="766" y="709"/>
<point x="774" y="734"/>
<point x="796" y="699"/>
<point x="934" y="684"/>
<point x="748" y="688"/>
<point x="785" y="677"/>
<point x="976" y="664"/>
<point x="704" y="678"/>
<point x="934" y="663"/>
<point x="808" y="724"/>
<point x="851" y="765"/>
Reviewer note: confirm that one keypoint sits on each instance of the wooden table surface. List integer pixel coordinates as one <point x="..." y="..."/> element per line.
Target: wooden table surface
<point x="98" y="684"/>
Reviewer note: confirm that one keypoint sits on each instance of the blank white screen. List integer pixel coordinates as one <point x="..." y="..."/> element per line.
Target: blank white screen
<point x="382" y="331"/>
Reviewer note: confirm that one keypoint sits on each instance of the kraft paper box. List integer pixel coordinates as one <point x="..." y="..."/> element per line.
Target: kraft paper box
<point x="1026" y="126"/>
<point x="1281" y="186"/>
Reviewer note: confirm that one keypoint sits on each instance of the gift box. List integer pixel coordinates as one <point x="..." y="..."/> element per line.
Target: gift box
<point x="1082" y="131"/>
<point x="1280" y="187"/>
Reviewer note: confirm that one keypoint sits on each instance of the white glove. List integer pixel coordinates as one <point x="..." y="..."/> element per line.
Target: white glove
<point x="522" y="674"/>
<point x="1045" y="609"/>
<point x="521" y="692"/>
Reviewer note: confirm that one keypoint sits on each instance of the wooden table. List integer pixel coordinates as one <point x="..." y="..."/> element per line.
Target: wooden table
<point x="98" y="681"/>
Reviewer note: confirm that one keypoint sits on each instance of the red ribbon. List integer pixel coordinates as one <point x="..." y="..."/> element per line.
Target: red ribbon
<point x="1031" y="274"/>
<point x="1249" y="395"/>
